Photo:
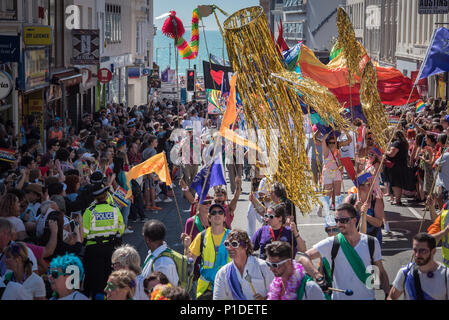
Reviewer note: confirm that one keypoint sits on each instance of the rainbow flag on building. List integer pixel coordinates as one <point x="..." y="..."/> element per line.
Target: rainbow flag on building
<point x="420" y="106"/>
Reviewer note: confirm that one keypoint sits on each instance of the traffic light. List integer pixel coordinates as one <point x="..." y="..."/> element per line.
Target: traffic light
<point x="190" y="80"/>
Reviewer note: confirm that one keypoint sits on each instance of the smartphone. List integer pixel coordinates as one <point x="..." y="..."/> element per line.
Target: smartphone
<point x="75" y="215"/>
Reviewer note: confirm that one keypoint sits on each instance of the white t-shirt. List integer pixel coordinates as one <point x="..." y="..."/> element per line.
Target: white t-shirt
<point x="16" y="291"/>
<point x="437" y="287"/>
<point x="165" y="265"/>
<point x="31" y="256"/>
<point x="140" y="290"/>
<point x="348" y="151"/>
<point x="261" y="278"/>
<point x="344" y="276"/>
<point x="35" y="285"/>
<point x="75" y="295"/>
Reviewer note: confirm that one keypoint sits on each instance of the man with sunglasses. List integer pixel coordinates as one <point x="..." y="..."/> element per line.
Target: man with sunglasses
<point x="290" y="282"/>
<point x="246" y="277"/>
<point x="425" y="279"/>
<point x="350" y="257"/>
<point x="209" y="245"/>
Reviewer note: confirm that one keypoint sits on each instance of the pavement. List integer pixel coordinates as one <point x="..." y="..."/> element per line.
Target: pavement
<point x="404" y="223"/>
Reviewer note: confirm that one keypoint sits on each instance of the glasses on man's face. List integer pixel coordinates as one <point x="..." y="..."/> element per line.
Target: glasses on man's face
<point x="276" y="265"/>
<point x="234" y="244"/>
<point x="110" y="287"/>
<point x="343" y="220"/>
<point x="215" y="212"/>
<point x="207" y="203"/>
<point x="331" y="142"/>
<point x="55" y="274"/>
<point x="421" y="251"/>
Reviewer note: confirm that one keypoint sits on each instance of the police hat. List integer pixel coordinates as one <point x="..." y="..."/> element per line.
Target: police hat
<point x="96" y="178"/>
<point x="99" y="189"/>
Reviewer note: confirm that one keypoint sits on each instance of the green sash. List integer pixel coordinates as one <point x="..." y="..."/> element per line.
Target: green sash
<point x="353" y="258"/>
<point x="302" y="288"/>
<point x="198" y="224"/>
<point x="327" y="269"/>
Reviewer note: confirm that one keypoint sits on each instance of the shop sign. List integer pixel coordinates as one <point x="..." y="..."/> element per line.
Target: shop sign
<point x="6" y="85"/>
<point x="37" y="36"/>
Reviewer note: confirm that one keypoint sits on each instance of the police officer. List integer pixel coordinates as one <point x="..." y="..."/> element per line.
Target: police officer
<point x="103" y="228"/>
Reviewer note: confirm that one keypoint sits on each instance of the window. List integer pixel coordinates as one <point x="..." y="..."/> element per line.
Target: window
<point x="8" y="10"/>
<point x="113" y="30"/>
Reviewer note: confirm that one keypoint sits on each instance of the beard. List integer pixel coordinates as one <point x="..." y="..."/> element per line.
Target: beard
<point x="422" y="261"/>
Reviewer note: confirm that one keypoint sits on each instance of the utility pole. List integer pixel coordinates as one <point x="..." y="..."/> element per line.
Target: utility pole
<point x="169" y="49"/>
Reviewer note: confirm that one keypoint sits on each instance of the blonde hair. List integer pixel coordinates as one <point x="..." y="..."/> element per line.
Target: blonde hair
<point x="127" y="256"/>
<point x="19" y="249"/>
<point x="125" y="279"/>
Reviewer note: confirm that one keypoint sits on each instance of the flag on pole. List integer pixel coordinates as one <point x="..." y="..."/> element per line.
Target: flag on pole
<point x="157" y="164"/>
<point x="437" y="57"/>
<point x="215" y="177"/>
<point x="420" y="106"/>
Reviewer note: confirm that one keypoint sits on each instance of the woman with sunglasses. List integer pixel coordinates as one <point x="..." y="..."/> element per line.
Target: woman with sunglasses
<point x="154" y="279"/>
<point x="276" y="230"/>
<point x="246" y="277"/>
<point x="121" y="285"/>
<point x="17" y="260"/>
<point x="332" y="168"/>
<point x="61" y="269"/>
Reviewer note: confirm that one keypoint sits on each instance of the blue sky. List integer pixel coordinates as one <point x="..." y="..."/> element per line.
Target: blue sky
<point x="184" y="10"/>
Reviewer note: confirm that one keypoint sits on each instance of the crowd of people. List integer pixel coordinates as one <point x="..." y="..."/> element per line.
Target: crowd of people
<point x="63" y="213"/>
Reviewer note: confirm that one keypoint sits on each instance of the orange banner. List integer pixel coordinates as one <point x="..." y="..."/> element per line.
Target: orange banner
<point x="157" y="164"/>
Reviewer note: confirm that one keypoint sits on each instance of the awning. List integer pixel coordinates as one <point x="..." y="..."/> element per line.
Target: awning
<point x="68" y="78"/>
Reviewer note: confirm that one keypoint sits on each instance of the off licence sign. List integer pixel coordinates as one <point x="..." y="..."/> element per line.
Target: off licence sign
<point x="433" y="6"/>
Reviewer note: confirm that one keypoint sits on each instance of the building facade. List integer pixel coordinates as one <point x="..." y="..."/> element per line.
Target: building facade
<point x="54" y="72"/>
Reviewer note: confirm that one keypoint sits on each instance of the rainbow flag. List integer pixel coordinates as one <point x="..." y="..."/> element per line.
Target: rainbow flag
<point x="420" y="106"/>
<point x="7" y="155"/>
<point x="216" y="103"/>
<point x="394" y="87"/>
<point x="119" y="197"/>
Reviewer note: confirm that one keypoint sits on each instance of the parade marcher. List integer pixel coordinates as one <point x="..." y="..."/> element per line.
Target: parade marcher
<point x="121" y="285"/>
<point x="349" y="253"/>
<point x="154" y="279"/>
<point x="61" y="269"/>
<point x="246" y="277"/>
<point x="158" y="258"/>
<point x="424" y="279"/>
<point x="440" y="230"/>
<point x="127" y="257"/>
<point x="276" y="230"/>
<point x="290" y="282"/>
<point x="103" y="228"/>
<point x="209" y="246"/>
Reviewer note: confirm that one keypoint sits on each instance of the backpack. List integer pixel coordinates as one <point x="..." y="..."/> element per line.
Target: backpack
<point x="336" y="247"/>
<point x="183" y="267"/>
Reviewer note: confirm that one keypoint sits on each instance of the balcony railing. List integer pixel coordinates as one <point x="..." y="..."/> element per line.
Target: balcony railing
<point x="300" y="7"/>
<point x="294" y="35"/>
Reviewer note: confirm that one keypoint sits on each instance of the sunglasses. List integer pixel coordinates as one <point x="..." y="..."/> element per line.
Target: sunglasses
<point x="110" y="287"/>
<point x="343" y="220"/>
<point x="207" y="203"/>
<point x="270" y="216"/>
<point x="55" y="274"/>
<point x="276" y="265"/>
<point x="235" y="244"/>
<point x="336" y="230"/>
<point x="215" y="212"/>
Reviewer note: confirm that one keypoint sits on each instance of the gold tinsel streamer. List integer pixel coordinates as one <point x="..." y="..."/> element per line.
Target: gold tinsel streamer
<point x="351" y="48"/>
<point x="372" y="106"/>
<point x="269" y="103"/>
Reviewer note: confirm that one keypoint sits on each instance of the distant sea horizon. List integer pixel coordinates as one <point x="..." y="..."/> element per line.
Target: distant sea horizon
<point x="162" y="51"/>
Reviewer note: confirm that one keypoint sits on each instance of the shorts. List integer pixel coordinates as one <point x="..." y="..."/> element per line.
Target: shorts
<point x="149" y="183"/>
<point x="331" y="176"/>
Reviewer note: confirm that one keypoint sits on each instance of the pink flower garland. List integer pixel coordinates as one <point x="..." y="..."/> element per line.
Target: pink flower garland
<point x="292" y="285"/>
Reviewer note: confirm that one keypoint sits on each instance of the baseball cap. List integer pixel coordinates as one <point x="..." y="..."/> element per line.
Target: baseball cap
<point x="216" y="205"/>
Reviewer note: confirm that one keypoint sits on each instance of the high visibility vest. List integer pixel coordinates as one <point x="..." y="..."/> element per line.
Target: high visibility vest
<point x="445" y="241"/>
<point x="102" y="220"/>
<point x="208" y="256"/>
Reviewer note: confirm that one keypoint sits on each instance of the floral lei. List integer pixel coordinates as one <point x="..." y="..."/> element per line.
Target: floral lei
<point x="292" y="285"/>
